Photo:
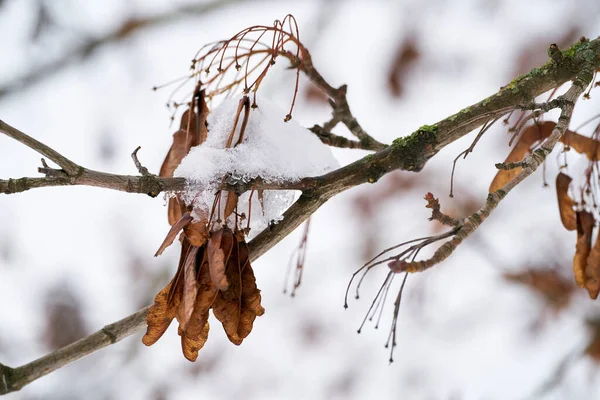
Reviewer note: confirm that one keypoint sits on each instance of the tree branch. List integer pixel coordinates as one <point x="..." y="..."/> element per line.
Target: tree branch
<point x="408" y="153"/>
<point x="529" y="165"/>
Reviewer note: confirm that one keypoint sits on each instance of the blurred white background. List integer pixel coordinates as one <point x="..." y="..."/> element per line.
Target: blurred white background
<point x="73" y="259"/>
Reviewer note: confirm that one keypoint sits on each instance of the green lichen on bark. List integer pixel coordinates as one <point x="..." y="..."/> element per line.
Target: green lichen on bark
<point x="414" y="147"/>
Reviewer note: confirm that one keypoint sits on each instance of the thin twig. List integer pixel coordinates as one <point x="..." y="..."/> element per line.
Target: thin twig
<point x="529" y="164"/>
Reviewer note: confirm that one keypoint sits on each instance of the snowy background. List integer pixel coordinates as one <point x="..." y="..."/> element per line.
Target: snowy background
<point x="75" y="259"/>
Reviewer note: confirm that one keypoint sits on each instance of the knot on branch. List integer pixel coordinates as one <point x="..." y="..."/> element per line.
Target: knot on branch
<point x="555" y="54"/>
<point x="148" y="183"/>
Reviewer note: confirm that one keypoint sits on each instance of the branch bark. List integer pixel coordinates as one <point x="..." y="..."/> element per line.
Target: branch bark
<point x="409" y="153"/>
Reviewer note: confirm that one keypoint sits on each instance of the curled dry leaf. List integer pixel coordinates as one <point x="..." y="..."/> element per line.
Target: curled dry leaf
<point x="535" y="133"/>
<point x="219" y="250"/>
<point x="565" y="202"/>
<point x="190" y="287"/>
<point x="181" y="223"/>
<point x="195" y="334"/>
<point x="166" y="303"/>
<point x="230" y="204"/>
<point x="192" y="132"/>
<point x="197" y="233"/>
<point x="159" y="317"/>
<point x="592" y="271"/>
<point x="238" y="307"/>
<point x="585" y="226"/>
<point x="529" y="136"/>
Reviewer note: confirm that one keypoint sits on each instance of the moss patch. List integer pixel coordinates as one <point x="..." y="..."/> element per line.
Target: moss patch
<point x="414" y="147"/>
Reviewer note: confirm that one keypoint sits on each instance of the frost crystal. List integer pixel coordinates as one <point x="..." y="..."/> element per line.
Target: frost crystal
<point x="276" y="151"/>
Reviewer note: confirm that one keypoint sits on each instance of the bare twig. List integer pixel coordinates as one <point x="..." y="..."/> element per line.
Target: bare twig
<point x="530" y="164"/>
<point x="331" y="139"/>
<point x="141" y="169"/>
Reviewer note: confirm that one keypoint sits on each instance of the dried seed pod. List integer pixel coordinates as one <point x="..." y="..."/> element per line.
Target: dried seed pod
<point x="585" y="226"/>
<point x="565" y="202"/>
<point x="592" y="271"/>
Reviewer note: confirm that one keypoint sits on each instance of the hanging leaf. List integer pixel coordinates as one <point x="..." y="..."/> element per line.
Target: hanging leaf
<point x="582" y="144"/>
<point x="219" y="250"/>
<point x="197" y="232"/>
<point x="238" y="307"/>
<point x="191" y="344"/>
<point x="166" y="303"/>
<point x="230" y="204"/>
<point x="195" y="334"/>
<point x="592" y="271"/>
<point x="192" y="132"/>
<point x="538" y="132"/>
<point x="528" y="138"/>
<point x="585" y="225"/>
<point x="159" y="317"/>
<point x="172" y="234"/>
<point x="190" y="287"/>
<point x="565" y="202"/>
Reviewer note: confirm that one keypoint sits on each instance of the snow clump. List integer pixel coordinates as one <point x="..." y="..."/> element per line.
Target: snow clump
<point x="275" y="150"/>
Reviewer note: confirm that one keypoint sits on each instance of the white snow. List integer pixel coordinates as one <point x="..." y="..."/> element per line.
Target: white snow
<point x="272" y="149"/>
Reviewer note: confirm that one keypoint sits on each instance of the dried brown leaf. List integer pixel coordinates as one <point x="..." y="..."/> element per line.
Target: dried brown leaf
<point x="196" y="332"/>
<point x="175" y="209"/>
<point x="592" y="271"/>
<point x="585" y="226"/>
<point x="529" y="136"/>
<point x="565" y="202"/>
<point x="230" y="204"/>
<point x="177" y="226"/>
<point x="197" y="233"/>
<point x="537" y="132"/>
<point x="192" y="132"/>
<point x="191" y="344"/>
<point x="237" y="307"/>
<point x="582" y="144"/>
<point x="159" y="317"/>
<point x="219" y="250"/>
<point x="190" y="288"/>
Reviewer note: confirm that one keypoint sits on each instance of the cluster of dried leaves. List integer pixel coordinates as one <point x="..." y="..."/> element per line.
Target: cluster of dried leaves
<point x="573" y="214"/>
<point x="214" y="269"/>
